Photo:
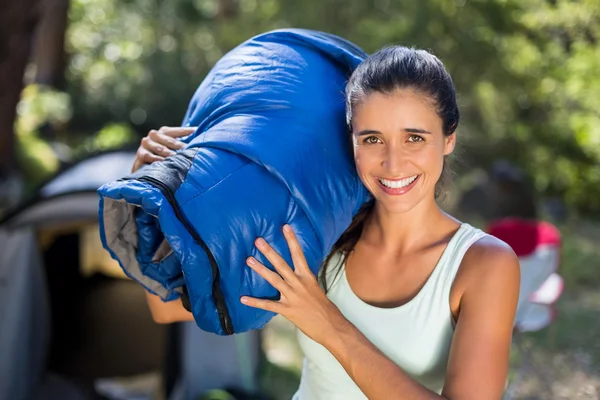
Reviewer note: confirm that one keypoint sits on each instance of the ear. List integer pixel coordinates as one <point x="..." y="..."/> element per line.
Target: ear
<point x="449" y="143"/>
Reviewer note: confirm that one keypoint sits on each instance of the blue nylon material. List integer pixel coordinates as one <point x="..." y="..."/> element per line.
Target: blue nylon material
<point x="273" y="148"/>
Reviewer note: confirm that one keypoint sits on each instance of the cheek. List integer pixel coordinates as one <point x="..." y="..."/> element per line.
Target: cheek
<point x="358" y="159"/>
<point x="364" y="159"/>
<point x="437" y="165"/>
<point x="430" y="159"/>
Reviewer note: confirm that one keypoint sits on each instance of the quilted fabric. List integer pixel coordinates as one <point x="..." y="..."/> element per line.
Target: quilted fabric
<point x="271" y="148"/>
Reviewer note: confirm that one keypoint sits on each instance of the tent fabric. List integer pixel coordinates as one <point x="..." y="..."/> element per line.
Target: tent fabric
<point x="24" y="314"/>
<point x="68" y="197"/>
<point x="89" y="174"/>
<point x="271" y="148"/>
<point x="71" y="193"/>
<point x="57" y="210"/>
<point x="66" y="202"/>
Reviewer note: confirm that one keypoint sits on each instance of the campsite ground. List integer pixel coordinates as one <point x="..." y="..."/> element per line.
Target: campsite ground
<point x="565" y="358"/>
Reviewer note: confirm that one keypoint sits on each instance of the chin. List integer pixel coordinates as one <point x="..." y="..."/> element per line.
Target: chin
<point x="397" y="207"/>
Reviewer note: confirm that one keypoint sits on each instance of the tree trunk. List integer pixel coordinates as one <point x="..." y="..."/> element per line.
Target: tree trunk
<point x="49" y="52"/>
<point x="17" y="26"/>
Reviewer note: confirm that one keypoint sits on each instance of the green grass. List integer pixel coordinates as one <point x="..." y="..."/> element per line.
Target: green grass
<point x="279" y="381"/>
<point x="580" y="266"/>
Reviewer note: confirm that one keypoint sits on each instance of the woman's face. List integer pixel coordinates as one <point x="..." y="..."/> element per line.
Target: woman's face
<point x="399" y="147"/>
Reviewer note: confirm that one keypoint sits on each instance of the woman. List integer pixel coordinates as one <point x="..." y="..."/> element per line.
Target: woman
<point x="412" y="303"/>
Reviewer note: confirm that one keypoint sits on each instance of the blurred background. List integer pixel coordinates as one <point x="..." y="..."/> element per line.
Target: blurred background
<point x="82" y="79"/>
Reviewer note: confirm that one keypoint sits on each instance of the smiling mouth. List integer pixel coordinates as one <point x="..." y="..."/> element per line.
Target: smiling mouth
<point x="398" y="184"/>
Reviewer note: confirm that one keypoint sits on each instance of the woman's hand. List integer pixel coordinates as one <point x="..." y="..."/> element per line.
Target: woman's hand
<point x="159" y="144"/>
<point x="302" y="300"/>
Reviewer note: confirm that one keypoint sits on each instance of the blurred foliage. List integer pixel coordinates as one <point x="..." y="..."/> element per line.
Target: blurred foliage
<point x="527" y="71"/>
<point x="112" y="136"/>
<point x="580" y="255"/>
<point x="39" y="108"/>
<point x="44" y="138"/>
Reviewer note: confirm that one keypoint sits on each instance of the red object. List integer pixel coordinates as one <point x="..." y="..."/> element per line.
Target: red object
<point x="524" y="236"/>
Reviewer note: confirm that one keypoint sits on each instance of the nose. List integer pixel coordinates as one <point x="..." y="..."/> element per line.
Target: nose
<point x="393" y="160"/>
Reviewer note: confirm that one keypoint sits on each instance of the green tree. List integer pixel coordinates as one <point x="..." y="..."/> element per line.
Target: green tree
<point x="526" y="70"/>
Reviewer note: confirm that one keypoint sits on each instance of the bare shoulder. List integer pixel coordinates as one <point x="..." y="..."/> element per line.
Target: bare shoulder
<point x="491" y="252"/>
<point x="489" y="262"/>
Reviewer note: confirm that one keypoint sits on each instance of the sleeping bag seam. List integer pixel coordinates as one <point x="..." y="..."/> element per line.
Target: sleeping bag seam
<point x="217" y="183"/>
<point x="217" y="294"/>
<point x="260" y="164"/>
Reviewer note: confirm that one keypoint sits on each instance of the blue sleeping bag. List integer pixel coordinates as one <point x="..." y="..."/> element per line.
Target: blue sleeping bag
<point x="271" y="147"/>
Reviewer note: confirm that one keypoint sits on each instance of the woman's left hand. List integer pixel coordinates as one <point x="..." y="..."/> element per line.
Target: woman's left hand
<point x="302" y="301"/>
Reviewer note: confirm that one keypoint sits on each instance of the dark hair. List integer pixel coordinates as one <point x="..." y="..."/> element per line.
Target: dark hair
<point x="390" y="69"/>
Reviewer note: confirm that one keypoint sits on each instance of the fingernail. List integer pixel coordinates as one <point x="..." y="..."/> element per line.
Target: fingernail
<point x="260" y="242"/>
<point x="287" y="229"/>
<point x="251" y="260"/>
<point x="244" y="300"/>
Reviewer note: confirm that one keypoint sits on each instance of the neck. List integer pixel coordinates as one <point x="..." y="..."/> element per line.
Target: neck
<point x="401" y="232"/>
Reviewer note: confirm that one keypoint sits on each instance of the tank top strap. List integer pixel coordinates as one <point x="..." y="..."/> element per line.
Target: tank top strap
<point x="454" y="254"/>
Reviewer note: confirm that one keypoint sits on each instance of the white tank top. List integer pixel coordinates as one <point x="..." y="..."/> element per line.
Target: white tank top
<point x="416" y="335"/>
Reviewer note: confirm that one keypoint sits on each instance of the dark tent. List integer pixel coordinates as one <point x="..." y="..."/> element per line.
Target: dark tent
<point x="71" y="322"/>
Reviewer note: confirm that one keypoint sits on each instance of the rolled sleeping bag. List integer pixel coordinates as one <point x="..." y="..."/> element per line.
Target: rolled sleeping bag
<point x="272" y="147"/>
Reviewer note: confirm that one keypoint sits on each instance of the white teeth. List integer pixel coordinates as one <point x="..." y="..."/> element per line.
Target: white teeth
<point x="398" y="184"/>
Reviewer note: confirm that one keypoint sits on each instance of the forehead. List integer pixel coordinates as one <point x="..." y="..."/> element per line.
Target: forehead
<point x="403" y="108"/>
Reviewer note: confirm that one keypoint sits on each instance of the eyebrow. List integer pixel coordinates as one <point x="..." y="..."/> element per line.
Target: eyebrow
<point x="416" y="130"/>
<point x="409" y="130"/>
<point x="367" y="132"/>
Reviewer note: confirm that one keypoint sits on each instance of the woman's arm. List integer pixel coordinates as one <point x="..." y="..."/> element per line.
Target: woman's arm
<point x="480" y="348"/>
<point x="167" y="312"/>
<point x="480" y="351"/>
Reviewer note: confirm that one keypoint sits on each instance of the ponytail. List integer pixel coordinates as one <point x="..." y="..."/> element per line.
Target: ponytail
<point x="346" y="243"/>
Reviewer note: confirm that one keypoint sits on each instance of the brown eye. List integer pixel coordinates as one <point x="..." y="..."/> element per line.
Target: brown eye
<point x="371" y="140"/>
<point x="415" y="138"/>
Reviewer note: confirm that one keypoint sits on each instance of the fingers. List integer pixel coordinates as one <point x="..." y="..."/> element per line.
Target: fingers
<point x="157" y="141"/>
<point x="149" y="146"/>
<point x="159" y="144"/>
<point x="274" y="279"/>
<point x="143" y="157"/>
<point x="268" y="305"/>
<point x="147" y="157"/>
<point x="280" y="265"/>
<point x="177" y="132"/>
<point x="300" y="264"/>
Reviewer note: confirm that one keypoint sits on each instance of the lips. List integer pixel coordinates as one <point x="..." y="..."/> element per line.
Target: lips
<point x="398" y="186"/>
<point x="398" y="183"/>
